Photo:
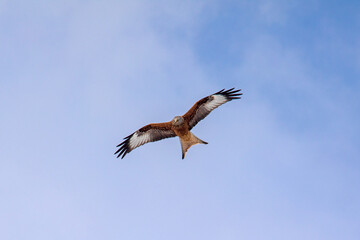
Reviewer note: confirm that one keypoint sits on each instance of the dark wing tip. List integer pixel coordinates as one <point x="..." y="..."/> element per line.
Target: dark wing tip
<point x="230" y="94"/>
<point x="126" y="152"/>
<point x="123" y="147"/>
<point x="219" y="92"/>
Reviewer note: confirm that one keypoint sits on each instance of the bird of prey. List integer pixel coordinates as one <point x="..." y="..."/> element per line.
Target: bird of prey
<point x="180" y="125"/>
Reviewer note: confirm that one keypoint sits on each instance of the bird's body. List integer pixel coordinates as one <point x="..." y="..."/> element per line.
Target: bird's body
<point x="180" y="125"/>
<point x="187" y="138"/>
<point x="181" y="130"/>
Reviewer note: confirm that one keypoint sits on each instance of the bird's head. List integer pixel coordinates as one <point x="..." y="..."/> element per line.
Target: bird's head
<point x="177" y="121"/>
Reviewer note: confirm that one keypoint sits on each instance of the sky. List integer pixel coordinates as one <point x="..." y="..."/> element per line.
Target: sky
<point x="78" y="76"/>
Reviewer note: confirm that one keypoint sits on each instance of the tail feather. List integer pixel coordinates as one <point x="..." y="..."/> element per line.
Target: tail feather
<point x="186" y="144"/>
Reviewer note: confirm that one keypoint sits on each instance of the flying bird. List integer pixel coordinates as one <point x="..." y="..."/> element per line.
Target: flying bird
<point x="180" y="125"/>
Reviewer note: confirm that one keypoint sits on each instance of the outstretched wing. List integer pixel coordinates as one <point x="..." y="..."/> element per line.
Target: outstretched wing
<point x="203" y="107"/>
<point x="150" y="133"/>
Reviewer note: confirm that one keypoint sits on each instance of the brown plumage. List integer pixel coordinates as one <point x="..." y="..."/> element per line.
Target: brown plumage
<point x="180" y="126"/>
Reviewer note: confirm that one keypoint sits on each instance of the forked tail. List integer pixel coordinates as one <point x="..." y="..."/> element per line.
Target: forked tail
<point x="186" y="143"/>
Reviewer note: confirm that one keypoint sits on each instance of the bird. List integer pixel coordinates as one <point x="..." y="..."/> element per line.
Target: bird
<point x="179" y="126"/>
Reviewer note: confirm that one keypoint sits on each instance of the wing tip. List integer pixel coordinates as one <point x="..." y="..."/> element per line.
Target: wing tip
<point x="123" y="147"/>
<point x="231" y="93"/>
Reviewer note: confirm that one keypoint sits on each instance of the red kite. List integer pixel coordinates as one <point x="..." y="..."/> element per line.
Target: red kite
<point x="180" y="126"/>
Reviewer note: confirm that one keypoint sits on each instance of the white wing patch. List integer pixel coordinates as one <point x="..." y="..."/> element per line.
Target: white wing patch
<point x="216" y="101"/>
<point x="137" y="140"/>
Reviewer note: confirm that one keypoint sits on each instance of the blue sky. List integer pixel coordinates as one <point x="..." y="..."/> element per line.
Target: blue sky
<point x="78" y="76"/>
